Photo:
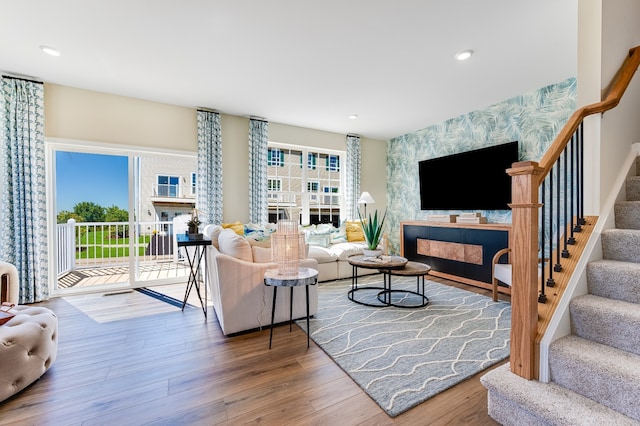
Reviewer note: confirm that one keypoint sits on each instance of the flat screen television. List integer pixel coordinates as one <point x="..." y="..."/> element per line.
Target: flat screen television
<point x="471" y="180"/>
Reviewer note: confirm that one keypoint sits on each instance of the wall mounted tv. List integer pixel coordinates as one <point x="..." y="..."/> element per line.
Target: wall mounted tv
<point x="471" y="180"/>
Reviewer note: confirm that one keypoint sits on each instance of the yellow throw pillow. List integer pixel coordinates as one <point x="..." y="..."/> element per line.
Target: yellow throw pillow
<point x="236" y="227"/>
<point x="354" y="231"/>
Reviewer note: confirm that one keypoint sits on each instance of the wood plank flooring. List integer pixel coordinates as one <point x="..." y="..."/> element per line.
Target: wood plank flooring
<point x="176" y="369"/>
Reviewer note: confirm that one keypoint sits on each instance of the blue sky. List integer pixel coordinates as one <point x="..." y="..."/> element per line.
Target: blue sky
<point x="98" y="178"/>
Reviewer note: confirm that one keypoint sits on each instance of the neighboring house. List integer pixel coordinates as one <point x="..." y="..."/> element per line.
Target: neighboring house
<point x="167" y="187"/>
<point x="305" y="181"/>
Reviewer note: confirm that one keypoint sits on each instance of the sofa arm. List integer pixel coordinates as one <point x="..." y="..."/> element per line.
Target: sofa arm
<point x="8" y="275"/>
<point x="242" y="301"/>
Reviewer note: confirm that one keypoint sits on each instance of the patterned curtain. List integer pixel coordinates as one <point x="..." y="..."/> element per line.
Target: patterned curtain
<point x="258" y="148"/>
<point x="352" y="168"/>
<point x="23" y="209"/>
<point x="209" y="178"/>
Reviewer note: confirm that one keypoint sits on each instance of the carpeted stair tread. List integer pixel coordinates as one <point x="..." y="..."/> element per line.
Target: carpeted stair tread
<point x="606" y="321"/>
<point x="513" y="400"/>
<point x="632" y="188"/>
<point x="614" y="279"/>
<point x="621" y="244"/>
<point x="606" y="375"/>
<point x="627" y="214"/>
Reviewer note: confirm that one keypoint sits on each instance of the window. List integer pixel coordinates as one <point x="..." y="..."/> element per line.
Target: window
<point x="333" y="163"/>
<point x="300" y="190"/>
<point x="331" y="199"/>
<point x="311" y="160"/>
<point x="168" y="186"/>
<point x="275" y="157"/>
<point x="193" y="184"/>
<point x="274" y="184"/>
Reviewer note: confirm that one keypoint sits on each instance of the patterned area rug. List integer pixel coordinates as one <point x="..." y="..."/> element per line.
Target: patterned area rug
<point x="401" y="357"/>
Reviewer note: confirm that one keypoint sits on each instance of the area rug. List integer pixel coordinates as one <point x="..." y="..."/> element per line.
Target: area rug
<point x="401" y="357"/>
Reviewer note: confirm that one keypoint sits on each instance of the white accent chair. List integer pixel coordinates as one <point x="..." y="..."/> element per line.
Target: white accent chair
<point x="500" y="272"/>
<point x="28" y="341"/>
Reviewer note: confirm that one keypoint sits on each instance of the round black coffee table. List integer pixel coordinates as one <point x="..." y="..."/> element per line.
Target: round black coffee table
<point x="383" y="263"/>
<point x="410" y="269"/>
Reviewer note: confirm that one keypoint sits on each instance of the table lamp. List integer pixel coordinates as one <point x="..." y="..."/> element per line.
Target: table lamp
<point x="365" y="199"/>
<point x="287" y="247"/>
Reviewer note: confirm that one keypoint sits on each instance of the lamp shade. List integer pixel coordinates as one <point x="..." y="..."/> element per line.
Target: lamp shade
<point x="366" y="198"/>
<point x="287" y="247"/>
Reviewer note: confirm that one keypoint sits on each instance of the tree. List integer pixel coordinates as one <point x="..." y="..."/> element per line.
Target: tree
<point x="90" y="211"/>
<point x="116" y="214"/>
<point x="65" y="215"/>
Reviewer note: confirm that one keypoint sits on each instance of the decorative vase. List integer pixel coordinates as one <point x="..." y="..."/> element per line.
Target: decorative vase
<point x="371" y="253"/>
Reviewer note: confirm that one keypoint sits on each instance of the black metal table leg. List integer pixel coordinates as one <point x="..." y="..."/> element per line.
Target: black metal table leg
<point x="308" y="330"/>
<point x="273" y="314"/>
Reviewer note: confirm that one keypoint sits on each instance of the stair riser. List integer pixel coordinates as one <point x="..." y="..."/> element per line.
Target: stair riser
<point x="627" y="215"/>
<point x="619" y="281"/>
<point x="569" y="369"/>
<point x="507" y="413"/>
<point x="632" y="188"/>
<point x="621" y="244"/>
<point x="605" y="324"/>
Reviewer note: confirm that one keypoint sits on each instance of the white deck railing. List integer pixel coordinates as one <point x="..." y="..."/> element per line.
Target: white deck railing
<point x="107" y="244"/>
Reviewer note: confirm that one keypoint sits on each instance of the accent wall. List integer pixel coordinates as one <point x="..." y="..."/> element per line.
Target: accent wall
<point x="533" y="119"/>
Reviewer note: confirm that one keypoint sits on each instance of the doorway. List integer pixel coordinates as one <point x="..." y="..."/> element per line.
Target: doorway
<point x="112" y="211"/>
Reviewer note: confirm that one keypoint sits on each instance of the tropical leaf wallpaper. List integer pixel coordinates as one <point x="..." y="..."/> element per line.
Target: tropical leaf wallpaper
<point x="533" y="119"/>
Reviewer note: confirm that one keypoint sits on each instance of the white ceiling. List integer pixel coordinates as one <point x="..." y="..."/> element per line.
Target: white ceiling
<point x="308" y="63"/>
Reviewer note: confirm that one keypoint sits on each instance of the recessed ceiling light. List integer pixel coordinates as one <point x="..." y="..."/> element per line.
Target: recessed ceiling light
<point x="353" y="116"/>
<point x="465" y="54"/>
<point x="50" y="50"/>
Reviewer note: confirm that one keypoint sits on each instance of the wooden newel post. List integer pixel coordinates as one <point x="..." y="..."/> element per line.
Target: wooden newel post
<point x="525" y="178"/>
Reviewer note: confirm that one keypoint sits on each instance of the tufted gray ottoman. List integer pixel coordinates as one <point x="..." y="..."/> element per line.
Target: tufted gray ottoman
<point x="28" y="347"/>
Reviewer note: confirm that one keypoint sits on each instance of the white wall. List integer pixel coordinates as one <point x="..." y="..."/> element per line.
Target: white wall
<point x="620" y="127"/>
<point x="72" y="113"/>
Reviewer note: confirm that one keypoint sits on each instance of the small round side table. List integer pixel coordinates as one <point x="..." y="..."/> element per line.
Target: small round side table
<point x="305" y="277"/>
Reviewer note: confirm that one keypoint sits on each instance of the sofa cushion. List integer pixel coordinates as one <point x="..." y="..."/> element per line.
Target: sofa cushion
<point x="354" y="231"/>
<point x="261" y="254"/>
<point x="261" y="243"/>
<point x="344" y="250"/>
<point x="322" y="254"/>
<point x="234" y="245"/>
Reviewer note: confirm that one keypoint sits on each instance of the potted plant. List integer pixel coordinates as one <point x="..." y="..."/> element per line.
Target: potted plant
<point x="372" y="229"/>
<point x="193" y="225"/>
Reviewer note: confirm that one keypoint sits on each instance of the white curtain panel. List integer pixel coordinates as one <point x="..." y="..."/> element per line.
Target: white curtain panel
<point x="258" y="149"/>
<point x="352" y="169"/>
<point x="209" y="178"/>
<point x="23" y="209"/>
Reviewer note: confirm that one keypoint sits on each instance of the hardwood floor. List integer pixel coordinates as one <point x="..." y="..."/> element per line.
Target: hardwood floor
<point x="174" y="368"/>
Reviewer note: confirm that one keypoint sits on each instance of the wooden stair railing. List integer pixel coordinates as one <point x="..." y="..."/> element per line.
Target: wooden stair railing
<point x="527" y="179"/>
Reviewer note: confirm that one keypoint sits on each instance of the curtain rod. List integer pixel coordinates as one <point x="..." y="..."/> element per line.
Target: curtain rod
<point x="22" y="79"/>
<point x="207" y="110"/>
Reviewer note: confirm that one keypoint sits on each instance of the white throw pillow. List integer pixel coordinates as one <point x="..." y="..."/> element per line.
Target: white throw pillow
<point x="213" y="232"/>
<point x="234" y="245"/>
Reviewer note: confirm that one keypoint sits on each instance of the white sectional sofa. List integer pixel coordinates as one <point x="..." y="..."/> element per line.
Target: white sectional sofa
<point x="236" y="266"/>
<point x="236" y="278"/>
<point x="332" y="260"/>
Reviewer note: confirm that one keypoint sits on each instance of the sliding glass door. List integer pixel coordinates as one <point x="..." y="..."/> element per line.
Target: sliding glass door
<point x="115" y="214"/>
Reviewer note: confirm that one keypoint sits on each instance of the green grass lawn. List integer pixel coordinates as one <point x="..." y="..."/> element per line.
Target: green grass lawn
<point x="108" y="243"/>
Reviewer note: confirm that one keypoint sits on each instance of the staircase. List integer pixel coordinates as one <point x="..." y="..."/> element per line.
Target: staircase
<point x="594" y="371"/>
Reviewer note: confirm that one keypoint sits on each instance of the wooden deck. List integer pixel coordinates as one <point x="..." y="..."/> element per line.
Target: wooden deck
<point x="98" y="276"/>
